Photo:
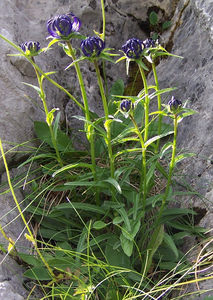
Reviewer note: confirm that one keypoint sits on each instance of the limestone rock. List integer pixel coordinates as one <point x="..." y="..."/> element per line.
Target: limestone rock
<point x="11" y="280"/>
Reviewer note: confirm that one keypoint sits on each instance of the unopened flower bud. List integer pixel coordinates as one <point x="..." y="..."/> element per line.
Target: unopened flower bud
<point x="174" y="105"/>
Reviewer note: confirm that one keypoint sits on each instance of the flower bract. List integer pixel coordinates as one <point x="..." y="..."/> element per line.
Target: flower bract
<point x="92" y="46"/>
<point x="62" y="26"/>
<point x="174" y="105"/>
<point x="30" y="48"/>
<point x="133" y="48"/>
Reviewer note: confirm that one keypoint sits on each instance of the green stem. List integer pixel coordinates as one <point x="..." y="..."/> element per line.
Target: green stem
<point x="89" y="129"/>
<point x="159" y="105"/>
<point x="43" y="99"/>
<point x="157" y="226"/>
<point x="31" y="237"/>
<point x="103" y="19"/>
<point x="107" y="122"/>
<point x="143" y="183"/>
<point x="171" y="167"/>
<point x="146" y="103"/>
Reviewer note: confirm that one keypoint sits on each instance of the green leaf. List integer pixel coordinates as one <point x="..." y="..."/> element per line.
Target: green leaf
<point x="80" y="206"/>
<point x="170" y="243"/>
<point x="180" y="235"/>
<point x="43" y="133"/>
<point x="126" y="245"/>
<point x="72" y="166"/>
<point x="36" y="157"/>
<point x="116" y="257"/>
<point x="183" y="156"/>
<point x="50" y="116"/>
<point x="38" y="90"/>
<point x="113" y="182"/>
<point x="117" y="88"/>
<point x="135" y="228"/>
<point x="47" y="74"/>
<point x="166" y="25"/>
<point x="81" y="243"/>
<point x="155" y="242"/>
<point x="153" y="18"/>
<point x="38" y="273"/>
<point x="155" y="138"/>
<point x="117" y="220"/>
<point x="178" y="211"/>
<point x="30" y="259"/>
<point x="99" y="225"/>
<point x="124" y="215"/>
<point x="165" y="148"/>
<point x="140" y="63"/>
<point x="150" y="173"/>
<point x="52" y="42"/>
<point x="51" y="234"/>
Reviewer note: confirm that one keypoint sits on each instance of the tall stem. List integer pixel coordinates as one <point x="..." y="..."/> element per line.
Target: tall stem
<point x="103" y="19"/>
<point x="143" y="183"/>
<point x="171" y="167"/>
<point x="89" y="129"/>
<point x="107" y="123"/>
<point x="43" y="99"/>
<point x="146" y="103"/>
<point x="159" y="105"/>
<point x="157" y="226"/>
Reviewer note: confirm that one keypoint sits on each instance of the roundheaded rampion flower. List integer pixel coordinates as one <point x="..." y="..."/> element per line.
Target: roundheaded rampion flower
<point x="92" y="46"/>
<point x="148" y="43"/>
<point x="126" y="106"/>
<point x="133" y="48"/>
<point x="174" y="105"/>
<point x="30" y="48"/>
<point x="62" y="26"/>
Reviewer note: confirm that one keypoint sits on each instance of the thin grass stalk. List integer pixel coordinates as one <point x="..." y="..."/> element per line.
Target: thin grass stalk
<point x="31" y="237"/>
<point x="159" y="105"/>
<point x="146" y="104"/>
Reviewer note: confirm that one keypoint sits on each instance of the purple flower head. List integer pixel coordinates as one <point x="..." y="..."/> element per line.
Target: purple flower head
<point x="174" y="105"/>
<point x="148" y="43"/>
<point x="126" y="106"/>
<point x="133" y="48"/>
<point x="62" y="26"/>
<point x="30" y="48"/>
<point x="92" y="46"/>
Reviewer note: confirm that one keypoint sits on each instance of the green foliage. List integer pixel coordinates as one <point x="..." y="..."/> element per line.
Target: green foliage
<point x="156" y="26"/>
<point x="153" y="18"/>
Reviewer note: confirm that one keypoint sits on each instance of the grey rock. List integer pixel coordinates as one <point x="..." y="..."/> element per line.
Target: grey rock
<point x="7" y="292"/>
<point x="11" y="279"/>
